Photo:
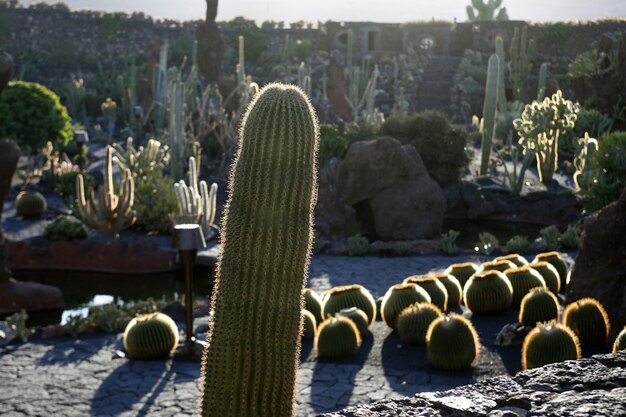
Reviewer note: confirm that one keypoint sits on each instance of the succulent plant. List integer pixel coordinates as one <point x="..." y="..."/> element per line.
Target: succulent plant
<point x="150" y="336"/>
<point x="523" y="279"/>
<point x="313" y="303"/>
<point x="452" y="343"/>
<point x="309" y="325"/>
<point x="17" y="325"/>
<point x="399" y="297"/>
<point x="500" y="266"/>
<point x="30" y="204"/>
<point x="549" y="343"/>
<point x="488" y="292"/>
<point x="347" y="296"/>
<point x="588" y="319"/>
<point x="557" y="261"/>
<point x="358" y="317"/>
<point x="538" y="306"/>
<point x="266" y="244"/>
<point x="516" y="258"/>
<point x="434" y="288"/>
<point x="620" y="341"/>
<point x="462" y="271"/>
<point x="549" y="274"/>
<point x="413" y="322"/>
<point x="453" y="287"/>
<point x="337" y="338"/>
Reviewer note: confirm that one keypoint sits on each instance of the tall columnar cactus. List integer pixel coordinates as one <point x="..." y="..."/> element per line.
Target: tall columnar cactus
<point x="538" y="306"/>
<point x="196" y="203"/>
<point x="159" y="87"/>
<point x="488" y="292"/>
<point x="111" y="212"/>
<point x="516" y="258"/>
<point x="522" y="53"/>
<point x="462" y="271"/>
<point x="176" y="128"/>
<point x="434" y="288"/>
<point x="523" y="279"/>
<point x="452" y="343"/>
<point x="488" y="122"/>
<point x="549" y="343"/>
<point x="347" y="296"/>
<point x="542" y="81"/>
<point x="588" y="319"/>
<point x="486" y="11"/>
<point x="556" y="260"/>
<point x="266" y="238"/>
<point x="549" y="274"/>
<point x="501" y="95"/>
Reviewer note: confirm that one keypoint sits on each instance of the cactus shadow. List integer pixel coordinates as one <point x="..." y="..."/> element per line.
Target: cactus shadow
<point x="67" y="351"/>
<point x="306" y="347"/>
<point x="128" y="385"/>
<point x="405" y="367"/>
<point x="333" y="381"/>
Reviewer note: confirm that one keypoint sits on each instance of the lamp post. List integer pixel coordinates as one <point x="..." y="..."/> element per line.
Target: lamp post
<point x="188" y="238"/>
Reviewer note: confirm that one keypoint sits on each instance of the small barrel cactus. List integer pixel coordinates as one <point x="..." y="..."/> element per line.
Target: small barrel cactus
<point x="453" y="287"/>
<point x="496" y="266"/>
<point x="588" y="319"/>
<point x="452" y="343"/>
<point x="549" y="274"/>
<point x="399" y="297"/>
<point x="523" y="279"/>
<point x="347" y="296"/>
<point x="30" y="204"/>
<point x="539" y="305"/>
<point x="462" y="271"/>
<point x="309" y="325"/>
<point x="434" y="288"/>
<point x="358" y="317"/>
<point x="337" y="338"/>
<point x="313" y="303"/>
<point x="516" y="258"/>
<point x="620" y="341"/>
<point x="557" y="261"/>
<point x="413" y="322"/>
<point x="549" y="343"/>
<point x="150" y="336"/>
<point x="488" y="292"/>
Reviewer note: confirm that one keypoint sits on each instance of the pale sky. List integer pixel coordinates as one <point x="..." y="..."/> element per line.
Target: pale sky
<point x="356" y="10"/>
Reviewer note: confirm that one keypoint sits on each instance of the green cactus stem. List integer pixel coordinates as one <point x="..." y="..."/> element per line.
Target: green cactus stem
<point x="488" y="122"/>
<point x="538" y="306"/>
<point x="358" y="317"/>
<point x="462" y="271"/>
<point x="501" y="95"/>
<point x="150" y="336"/>
<point x="452" y="343"/>
<point x="557" y="262"/>
<point x="313" y="303"/>
<point x="337" y="338"/>
<point x="543" y="80"/>
<point x="620" y="341"/>
<point x="488" y="292"/>
<point x="413" y="322"/>
<point x="249" y="367"/>
<point x="516" y="258"/>
<point x="522" y="53"/>
<point x="549" y="343"/>
<point x="309" y="325"/>
<point x="523" y="279"/>
<point x="589" y="320"/>
<point x="434" y="288"/>
<point x="549" y="274"/>
<point x="399" y="297"/>
<point x="347" y="296"/>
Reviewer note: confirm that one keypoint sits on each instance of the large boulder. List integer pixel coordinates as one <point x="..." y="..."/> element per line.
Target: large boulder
<point x="390" y="183"/>
<point x="30" y="296"/>
<point x="600" y="266"/>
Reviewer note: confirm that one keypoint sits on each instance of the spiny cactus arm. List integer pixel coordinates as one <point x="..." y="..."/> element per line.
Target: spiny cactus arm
<point x="501" y="96"/>
<point x="489" y="111"/>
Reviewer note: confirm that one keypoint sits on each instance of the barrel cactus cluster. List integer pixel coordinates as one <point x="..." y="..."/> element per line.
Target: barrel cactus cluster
<point x="347" y="296"/>
<point x="337" y="338"/>
<point x="399" y="297"/>
<point x="549" y="343"/>
<point x="522" y="280"/>
<point x="452" y="343"/>
<point x="488" y="292"/>
<point x="434" y="287"/>
<point x="414" y="321"/>
<point x="588" y="319"/>
<point x="538" y="306"/>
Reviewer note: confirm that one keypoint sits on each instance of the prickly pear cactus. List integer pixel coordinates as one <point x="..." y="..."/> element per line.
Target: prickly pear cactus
<point x="414" y="321"/>
<point x="337" y="338"/>
<point x="549" y="343"/>
<point x="452" y="343"/>
<point x="538" y="306"/>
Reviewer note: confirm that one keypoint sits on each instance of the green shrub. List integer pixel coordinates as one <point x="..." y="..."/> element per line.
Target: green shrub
<point x="155" y="200"/>
<point x="448" y="242"/>
<point x="358" y="245"/>
<point x="593" y="122"/>
<point x="517" y="244"/>
<point x="32" y="115"/>
<point x="358" y="132"/>
<point x="550" y="236"/>
<point x="441" y="146"/>
<point x="585" y="65"/>
<point x="332" y="144"/>
<point x="571" y="236"/>
<point x="65" y="187"/>
<point x="608" y="169"/>
<point x="487" y="243"/>
<point x="65" y="228"/>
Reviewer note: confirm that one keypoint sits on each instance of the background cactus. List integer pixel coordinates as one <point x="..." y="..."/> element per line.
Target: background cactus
<point x="434" y="288"/>
<point x="549" y="274"/>
<point x="413" y="322"/>
<point x="620" y="341"/>
<point x="337" y="338"/>
<point x="453" y="287"/>
<point x="313" y="303"/>
<point x="488" y="122"/>
<point x="462" y="271"/>
<point x="557" y="262"/>
<point x="30" y="204"/>
<point x="516" y="258"/>
<point x="266" y="239"/>
<point x="309" y="325"/>
<point x="588" y="319"/>
<point x="347" y="296"/>
<point x="522" y="52"/>
<point x="399" y="297"/>
<point x="486" y="11"/>
<point x="488" y="292"/>
<point x="358" y="317"/>
<point x="452" y="343"/>
<point x="150" y="336"/>
<point x="539" y="305"/>
<point x="549" y="343"/>
<point x="522" y="280"/>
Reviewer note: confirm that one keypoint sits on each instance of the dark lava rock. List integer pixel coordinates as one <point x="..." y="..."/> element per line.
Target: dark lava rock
<point x="30" y="296"/>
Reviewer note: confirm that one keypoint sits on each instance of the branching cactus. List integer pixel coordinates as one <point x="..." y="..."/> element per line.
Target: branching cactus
<point x="111" y="212"/>
<point x="523" y="52"/>
<point x="249" y="367"/>
<point x="480" y="10"/>
<point x="196" y="203"/>
<point x="142" y="161"/>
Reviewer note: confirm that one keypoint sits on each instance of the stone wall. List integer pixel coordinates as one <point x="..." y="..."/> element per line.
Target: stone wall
<point x="588" y="387"/>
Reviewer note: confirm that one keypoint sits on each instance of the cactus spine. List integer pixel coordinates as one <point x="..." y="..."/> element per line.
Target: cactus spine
<point x="488" y="122"/>
<point x="150" y="336"/>
<point x="539" y="305"/>
<point x="452" y="343"/>
<point x="413" y="322"/>
<point x="549" y="343"/>
<point x="111" y="213"/>
<point x="266" y="238"/>
<point x="588" y="319"/>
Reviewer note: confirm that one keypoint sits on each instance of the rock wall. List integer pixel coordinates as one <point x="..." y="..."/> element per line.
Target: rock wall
<point x="589" y="387"/>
